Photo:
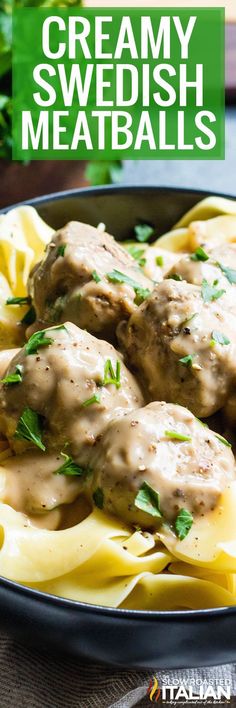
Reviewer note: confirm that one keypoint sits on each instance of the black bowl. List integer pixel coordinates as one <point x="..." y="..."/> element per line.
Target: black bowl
<point x="124" y="638"/>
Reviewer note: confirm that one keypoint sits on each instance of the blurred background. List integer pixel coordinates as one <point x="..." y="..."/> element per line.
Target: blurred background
<point x="20" y="181"/>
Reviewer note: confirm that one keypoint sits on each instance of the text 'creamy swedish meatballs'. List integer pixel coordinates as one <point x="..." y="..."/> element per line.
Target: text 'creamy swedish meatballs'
<point x="66" y="387"/>
<point x="155" y="461"/>
<point x="88" y="279"/>
<point x="182" y="344"/>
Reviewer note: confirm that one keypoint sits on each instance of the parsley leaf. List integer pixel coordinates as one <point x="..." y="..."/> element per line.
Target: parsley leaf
<point x="29" y="428"/>
<point x="98" y="498"/>
<point x="136" y="253"/>
<point x="219" y="338"/>
<point x="187" y="360"/>
<point x="174" y="435"/>
<point x="40" y="339"/>
<point x="148" y="500"/>
<point x="61" y="250"/>
<point x="229" y="273"/>
<point x="223" y="440"/>
<point x="18" y="300"/>
<point x="70" y="468"/>
<point x="143" y="232"/>
<point x="96" y="277"/>
<point x="14" y="378"/>
<point x="141" y="293"/>
<point x="183" y="523"/>
<point x="210" y="292"/>
<point x="93" y="399"/>
<point x="174" y="276"/>
<point x="199" y="255"/>
<point x="159" y="260"/>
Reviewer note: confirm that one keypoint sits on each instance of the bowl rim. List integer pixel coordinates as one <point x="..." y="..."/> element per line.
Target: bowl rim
<point x="49" y="598"/>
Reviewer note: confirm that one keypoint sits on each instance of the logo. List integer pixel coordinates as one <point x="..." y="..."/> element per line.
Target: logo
<point x="154" y="691"/>
<point x="187" y="693"/>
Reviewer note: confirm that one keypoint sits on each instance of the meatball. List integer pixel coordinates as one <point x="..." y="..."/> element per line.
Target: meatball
<point x="182" y="344"/>
<point x="69" y="385"/>
<point x="88" y="279"/>
<point x="218" y="264"/>
<point x="163" y="456"/>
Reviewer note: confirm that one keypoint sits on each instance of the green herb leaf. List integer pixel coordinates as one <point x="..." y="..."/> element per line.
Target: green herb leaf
<point x="229" y="273"/>
<point x="29" y="317"/>
<point x="174" y="435"/>
<point x="159" y="260"/>
<point x="143" y="232"/>
<point x="14" y="378"/>
<point x="96" y="277"/>
<point x="199" y="255"/>
<point x="40" y="339"/>
<point x="61" y="250"/>
<point x="183" y="523"/>
<point x="210" y="292"/>
<point x="29" y="428"/>
<point x="18" y="300"/>
<point x="98" y="498"/>
<point x="141" y="295"/>
<point x="223" y="440"/>
<point x="148" y="500"/>
<point x="110" y="377"/>
<point x="93" y="399"/>
<point x="104" y="171"/>
<point x="174" y="276"/>
<point x="187" y="360"/>
<point x="219" y="338"/>
<point x="70" y="468"/>
<point x="136" y="253"/>
<point x="117" y="277"/>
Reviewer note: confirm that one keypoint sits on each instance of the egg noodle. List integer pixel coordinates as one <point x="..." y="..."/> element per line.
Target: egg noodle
<point x="101" y="560"/>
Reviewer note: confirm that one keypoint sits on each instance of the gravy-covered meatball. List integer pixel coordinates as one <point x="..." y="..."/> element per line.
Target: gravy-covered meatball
<point x="68" y="386"/>
<point x="182" y="344"/>
<point x="218" y="264"/>
<point x="88" y="279"/>
<point x="158" y="460"/>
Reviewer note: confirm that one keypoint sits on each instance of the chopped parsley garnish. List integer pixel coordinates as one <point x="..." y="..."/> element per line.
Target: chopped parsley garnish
<point x="136" y="253"/>
<point x="29" y="428"/>
<point x="29" y="317"/>
<point x="187" y="360"/>
<point x="98" y="498"/>
<point x="210" y="292"/>
<point x="18" y="300"/>
<point x="174" y="276"/>
<point x="40" y="339"/>
<point x="219" y="338"/>
<point x="159" y="261"/>
<point x="96" y="277"/>
<point x="174" y="435"/>
<point x="183" y="523"/>
<point x="143" y="232"/>
<point x="148" y="500"/>
<point x="61" y="250"/>
<point x="199" y="255"/>
<point x="223" y="440"/>
<point x="14" y="378"/>
<point x="230" y="273"/>
<point x="94" y="399"/>
<point x="70" y="468"/>
<point x="141" y="293"/>
<point x="110" y="377"/>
